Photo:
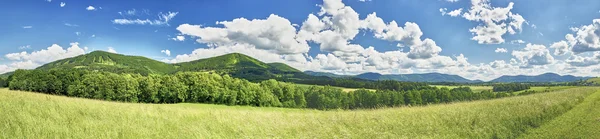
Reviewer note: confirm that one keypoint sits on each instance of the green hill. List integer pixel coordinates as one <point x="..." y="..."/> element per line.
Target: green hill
<point x="283" y="67"/>
<point x="234" y="64"/>
<point x="118" y="63"/>
<point x="240" y="66"/>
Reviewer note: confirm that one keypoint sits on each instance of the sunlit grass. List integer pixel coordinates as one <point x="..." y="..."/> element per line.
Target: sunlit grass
<point x="33" y="115"/>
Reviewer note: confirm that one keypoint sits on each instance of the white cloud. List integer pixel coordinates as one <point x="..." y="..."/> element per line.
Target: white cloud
<point x="496" y="21"/>
<point x="580" y="61"/>
<point x="163" y="19"/>
<point x="517" y="42"/>
<point x="24" y="60"/>
<point x="560" y="48"/>
<point x="587" y="38"/>
<point x="453" y="13"/>
<point x="178" y="38"/>
<point x="167" y="52"/>
<point x="501" y="50"/>
<point x="71" y="25"/>
<point x="63" y="4"/>
<point x="452" y="0"/>
<point x="274" y="34"/>
<point x="111" y="50"/>
<point x="25" y="47"/>
<point x="49" y="0"/>
<point x="534" y="54"/>
<point x="27" y="27"/>
<point x="77" y="33"/>
<point x="364" y="0"/>
<point x="52" y="53"/>
<point x="90" y="8"/>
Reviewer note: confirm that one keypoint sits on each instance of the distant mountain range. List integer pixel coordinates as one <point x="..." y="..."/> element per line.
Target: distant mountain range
<point x="439" y="77"/>
<point x="546" y="77"/>
<point x="243" y="66"/>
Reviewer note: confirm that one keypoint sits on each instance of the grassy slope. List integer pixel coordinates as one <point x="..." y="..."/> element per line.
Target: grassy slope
<point x="32" y="115"/>
<point x="582" y="121"/>
<point x="595" y="80"/>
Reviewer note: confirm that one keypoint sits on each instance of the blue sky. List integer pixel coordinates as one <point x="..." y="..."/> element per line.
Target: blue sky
<point x="344" y="37"/>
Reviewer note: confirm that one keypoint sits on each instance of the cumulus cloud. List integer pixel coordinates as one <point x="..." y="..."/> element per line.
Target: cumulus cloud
<point x="587" y="38"/>
<point x="178" y="38"/>
<point x="453" y="13"/>
<point x="111" y="50"/>
<point x="501" y="50"/>
<point x="25" y="60"/>
<point x="166" y="52"/>
<point x="27" y="27"/>
<point x="495" y="21"/>
<point x="63" y="4"/>
<point x="91" y="8"/>
<point x="274" y="34"/>
<point x="534" y="54"/>
<point x="163" y="19"/>
<point x="560" y="48"/>
<point x="581" y="61"/>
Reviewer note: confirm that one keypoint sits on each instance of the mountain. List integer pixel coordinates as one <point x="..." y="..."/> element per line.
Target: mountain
<point x="425" y="77"/>
<point x="546" y="77"/>
<point x="234" y="64"/>
<point x="241" y="66"/>
<point x="111" y="62"/>
<point x="325" y="74"/>
<point x="5" y="75"/>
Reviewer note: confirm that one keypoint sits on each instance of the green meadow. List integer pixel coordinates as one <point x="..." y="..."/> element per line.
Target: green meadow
<point x="568" y="113"/>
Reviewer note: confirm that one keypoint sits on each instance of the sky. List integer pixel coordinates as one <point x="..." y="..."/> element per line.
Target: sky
<point x="476" y="39"/>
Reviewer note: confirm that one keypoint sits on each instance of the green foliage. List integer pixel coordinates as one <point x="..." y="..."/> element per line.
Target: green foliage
<point x="510" y="87"/>
<point x="110" y="62"/>
<point x="202" y="87"/>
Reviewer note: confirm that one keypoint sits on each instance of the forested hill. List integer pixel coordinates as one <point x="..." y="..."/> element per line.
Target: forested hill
<point x="117" y="63"/>
<point x="234" y="64"/>
<point x="546" y="77"/>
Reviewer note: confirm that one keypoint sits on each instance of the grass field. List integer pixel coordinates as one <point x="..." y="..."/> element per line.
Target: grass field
<point x="583" y="121"/>
<point x="33" y="115"/>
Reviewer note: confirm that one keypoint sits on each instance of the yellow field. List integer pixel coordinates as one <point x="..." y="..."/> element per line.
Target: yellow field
<point x="33" y="115"/>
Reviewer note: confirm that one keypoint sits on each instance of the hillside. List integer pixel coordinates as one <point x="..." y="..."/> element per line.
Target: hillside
<point x="118" y="63"/>
<point x="546" y="77"/>
<point x="325" y="74"/>
<point x="33" y="115"/>
<point x="242" y="66"/>
<point x="424" y="77"/>
<point x="234" y="64"/>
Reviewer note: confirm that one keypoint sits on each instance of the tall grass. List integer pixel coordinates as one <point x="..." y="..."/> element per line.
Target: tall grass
<point x="583" y="121"/>
<point x="32" y="115"/>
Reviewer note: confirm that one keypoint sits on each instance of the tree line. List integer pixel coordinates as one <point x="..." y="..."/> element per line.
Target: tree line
<point x="202" y="87"/>
<point x="510" y="87"/>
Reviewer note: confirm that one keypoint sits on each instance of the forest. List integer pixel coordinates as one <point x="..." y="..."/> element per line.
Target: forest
<point x="510" y="87"/>
<point x="203" y="87"/>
